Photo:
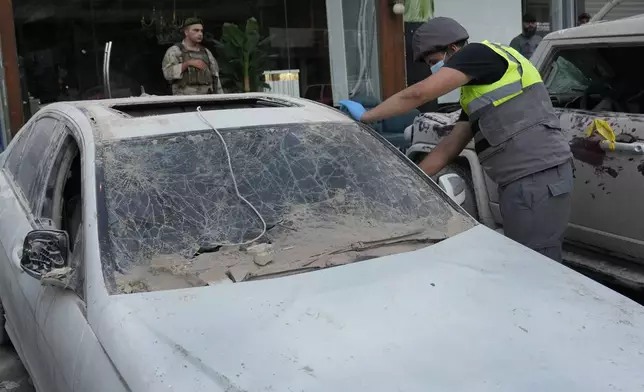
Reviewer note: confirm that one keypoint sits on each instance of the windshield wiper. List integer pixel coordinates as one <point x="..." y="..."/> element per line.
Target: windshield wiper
<point x="278" y="274"/>
<point x="361" y="246"/>
<point x="203" y="249"/>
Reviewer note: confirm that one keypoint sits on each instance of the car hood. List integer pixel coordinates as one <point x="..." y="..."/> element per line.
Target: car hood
<point x="474" y="312"/>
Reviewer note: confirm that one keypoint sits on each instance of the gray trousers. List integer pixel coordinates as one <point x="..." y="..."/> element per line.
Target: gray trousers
<point x="536" y="209"/>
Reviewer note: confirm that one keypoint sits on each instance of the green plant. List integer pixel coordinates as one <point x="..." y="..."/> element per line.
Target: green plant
<point x="418" y="10"/>
<point x="242" y="57"/>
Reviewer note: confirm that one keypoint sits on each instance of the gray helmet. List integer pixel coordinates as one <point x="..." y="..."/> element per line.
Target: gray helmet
<point x="436" y="34"/>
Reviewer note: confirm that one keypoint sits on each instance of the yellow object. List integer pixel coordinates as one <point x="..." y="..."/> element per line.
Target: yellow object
<point x="520" y="74"/>
<point x="603" y="128"/>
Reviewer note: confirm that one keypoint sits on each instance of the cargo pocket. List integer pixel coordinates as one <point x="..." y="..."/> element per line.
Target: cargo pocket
<point x="560" y="188"/>
<point x="497" y="135"/>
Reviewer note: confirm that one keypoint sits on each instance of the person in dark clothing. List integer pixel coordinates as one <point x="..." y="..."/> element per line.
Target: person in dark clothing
<point x="526" y="42"/>
<point x="506" y="109"/>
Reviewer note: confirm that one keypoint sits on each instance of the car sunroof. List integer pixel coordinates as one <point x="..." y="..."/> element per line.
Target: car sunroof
<point x="162" y="108"/>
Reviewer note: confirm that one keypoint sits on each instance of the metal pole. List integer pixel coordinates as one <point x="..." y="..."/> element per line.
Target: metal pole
<point x="337" y="50"/>
<point x="556" y="15"/>
<point x="106" y="70"/>
<point x="605" y="10"/>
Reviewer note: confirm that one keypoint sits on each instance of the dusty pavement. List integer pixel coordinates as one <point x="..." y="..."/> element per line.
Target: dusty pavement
<point x="13" y="376"/>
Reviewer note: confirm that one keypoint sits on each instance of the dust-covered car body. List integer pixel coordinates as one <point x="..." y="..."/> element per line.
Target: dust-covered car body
<point x="591" y="76"/>
<point x="118" y="271"/>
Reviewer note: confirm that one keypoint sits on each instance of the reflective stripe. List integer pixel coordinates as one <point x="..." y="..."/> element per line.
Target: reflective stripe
<point x="520" y="73"/>
<point x="500" y="93"/>
<point x="493" y="96"/>
<point x="519" y="66"/>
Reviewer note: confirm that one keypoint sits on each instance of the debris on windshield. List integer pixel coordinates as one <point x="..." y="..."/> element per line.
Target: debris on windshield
<point x="305" y="250"/>
<point x="171" y="200"/>
<point x="131" y="286"/>
<point x="262" y="254"/>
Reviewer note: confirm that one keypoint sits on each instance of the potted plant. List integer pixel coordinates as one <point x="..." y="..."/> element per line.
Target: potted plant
<point x="242" y="57"/>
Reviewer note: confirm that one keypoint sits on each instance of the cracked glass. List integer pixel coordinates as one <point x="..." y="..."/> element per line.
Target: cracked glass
<point x="171" y="211"/>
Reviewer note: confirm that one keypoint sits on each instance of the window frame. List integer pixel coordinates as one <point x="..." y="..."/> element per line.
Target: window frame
<point x="32" y="204"/>
<point x="52" y="180"/>
<point x="70" y="131"/>
<point x="556" y="47"/>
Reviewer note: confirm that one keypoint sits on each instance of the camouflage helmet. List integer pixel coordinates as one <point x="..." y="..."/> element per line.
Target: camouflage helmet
<point x="192" y="21"/>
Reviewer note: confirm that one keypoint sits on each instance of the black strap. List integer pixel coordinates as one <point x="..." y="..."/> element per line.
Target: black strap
<point x="481" y="145"/>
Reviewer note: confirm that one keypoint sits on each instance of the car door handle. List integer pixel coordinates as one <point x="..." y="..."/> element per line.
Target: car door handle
<point x="633" y="148"/>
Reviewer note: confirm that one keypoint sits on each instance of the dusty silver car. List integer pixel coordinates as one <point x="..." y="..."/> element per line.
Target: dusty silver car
<point x="270" y="243"/>
<point x="591" y="74"/>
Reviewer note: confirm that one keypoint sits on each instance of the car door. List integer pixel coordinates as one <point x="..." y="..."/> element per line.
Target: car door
<point x="597" y="79"/>
<point x="75" y="359"/>
<point x="60" y="307"/>
<point x="27" y="162"/>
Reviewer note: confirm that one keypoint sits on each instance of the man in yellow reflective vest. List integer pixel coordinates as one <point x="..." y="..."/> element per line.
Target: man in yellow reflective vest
<point x="507" y="110"/>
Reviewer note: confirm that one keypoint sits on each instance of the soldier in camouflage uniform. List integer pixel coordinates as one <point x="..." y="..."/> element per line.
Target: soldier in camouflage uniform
<point x="191" y="68"/>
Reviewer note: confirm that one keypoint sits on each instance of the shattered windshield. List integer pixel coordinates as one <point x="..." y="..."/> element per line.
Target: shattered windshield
<point x="172" y="210"/>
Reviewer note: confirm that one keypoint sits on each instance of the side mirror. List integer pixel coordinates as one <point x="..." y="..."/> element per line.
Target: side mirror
<point x="44" y="251"/>
<point x="454" y="186"/>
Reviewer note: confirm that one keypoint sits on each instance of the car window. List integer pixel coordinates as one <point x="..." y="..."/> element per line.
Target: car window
<point x="170" y="202"/>
<point x="565" y="77"/>
<point x="596" y="79"/>
<point x="62" y="202"/>
<point x="29" y="159"/>
<point x="63" y="185"/>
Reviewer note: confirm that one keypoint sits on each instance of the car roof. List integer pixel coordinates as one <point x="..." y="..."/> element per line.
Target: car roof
<point x="158" y="115"/>
<point x="622" y="27"/>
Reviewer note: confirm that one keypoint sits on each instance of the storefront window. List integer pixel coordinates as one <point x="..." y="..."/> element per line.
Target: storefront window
<point x="360" y="27"/>
<point x="541" y="10"/>
<point x="62" y="44"/>
<point x="353" y="47"/>
<point x="552" y="15"/>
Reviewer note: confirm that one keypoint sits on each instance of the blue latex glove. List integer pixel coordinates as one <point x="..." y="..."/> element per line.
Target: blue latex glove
<point x="356" y="109"/>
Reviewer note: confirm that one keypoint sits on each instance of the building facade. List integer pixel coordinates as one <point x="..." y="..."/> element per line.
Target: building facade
<point x="55" y="51"/>
<point x="625" y="9"/>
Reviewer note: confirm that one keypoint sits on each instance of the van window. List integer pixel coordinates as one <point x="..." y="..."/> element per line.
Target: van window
<point x="597" y="79"/>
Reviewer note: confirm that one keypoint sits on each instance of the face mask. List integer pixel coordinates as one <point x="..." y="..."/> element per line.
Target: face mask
<point x="438" y="65"/>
